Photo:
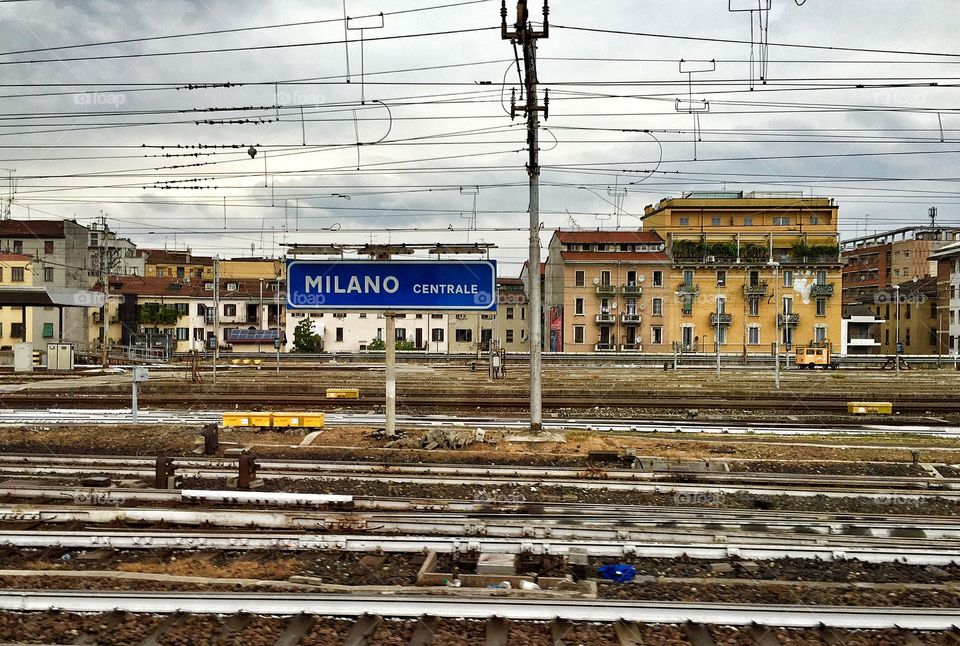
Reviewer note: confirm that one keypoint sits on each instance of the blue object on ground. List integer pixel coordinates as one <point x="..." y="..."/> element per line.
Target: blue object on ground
<point x="618" y="573"/>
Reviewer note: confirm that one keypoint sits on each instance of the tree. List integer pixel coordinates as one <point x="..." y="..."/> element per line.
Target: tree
<point x="305" y="339"/>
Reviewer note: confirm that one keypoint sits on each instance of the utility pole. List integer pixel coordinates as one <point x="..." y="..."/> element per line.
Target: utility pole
<point x="216" y="315"/>
<point x="524" y="35"/>
<point x="105" y="281"/>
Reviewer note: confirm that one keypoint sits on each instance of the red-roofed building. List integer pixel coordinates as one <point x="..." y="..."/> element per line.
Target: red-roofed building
<point x="605" y="291"/>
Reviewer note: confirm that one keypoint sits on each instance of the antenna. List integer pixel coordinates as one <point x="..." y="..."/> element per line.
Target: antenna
<point x="619" y="195"/>
<point x="11" y="191"/>
<point x="932" y="212"/>
<point x="471" y="218"/>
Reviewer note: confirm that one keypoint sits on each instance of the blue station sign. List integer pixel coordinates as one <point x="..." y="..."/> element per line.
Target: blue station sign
<point x="392" y="285"/>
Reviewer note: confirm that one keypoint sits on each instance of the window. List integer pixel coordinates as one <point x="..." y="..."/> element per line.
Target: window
<point x="747" y="221"/>
<point x="721" y="278"/>
<point x="821" y="277"/>
<point x="231" y="287"/>
<point x="16" y="274"/>
<point x="754" y="305"/>
<point x="48" y="274"/>
<point x="720" y="334"/>
<point x="509" y="336"/>
<point x="578" y="333"/>
<point x="658" y="307"/>
<point x="781" y="221"/>
<point x="787" y="336"/>
<point x="183" y="334"/>
<point x="908" y="336"/>
<point x="48" y="330"/>
<point x="523" y="313"/>
<point x="578" y="307"/>
<point x="605" y="277"/>
<point x="400" y="334"/>
<point x="436" y="335"/>
<point x="509" y="312"/>
<point x="363" y="315"/>
<point x="229" y="309"/>
<point x="419" y="316"/>
<point x="578" y="278"/>
<point x="684" y="221"/>
<point x="688" y="277"/>
<point x="886" y="336"/>
<point x="340" y="315"/>
<point x="906" y="254"/>
<point x="657" y="278"/>
<point x="181" y="272"/>
<point x="16" y="330"/>
<point x="721" y="305"/>
<point x="436" y="316"/>
<point x="819" y="334"/>
<point x="788" y="278"/>
<point x="687" y="304"/>
<point x="907" y="314"/>
<point x="754" y="278"/>
<point x="601" y="247"/>
<point x="183" y="309"/>
<point x="896" y="272"/>
<point x="788" y="304"/>
<point x="814" y="219"/>
<point x="339" y="335"/>
<point x="753" y="335"/>
<point x="821" y="307"/>
<point x="656" y="334"/>
<point x="198" y="334"/>
<point x="48" y="247"/>
<point x="715" y="221"/>
<point x="464" y="336"/>
<point x="18" y="246"/>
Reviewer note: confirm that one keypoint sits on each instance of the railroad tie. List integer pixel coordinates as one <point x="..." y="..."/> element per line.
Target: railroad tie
<point x="296" y="628"/>
<point x="697" y="634"/>
<point x="163" y="628"/>
<point x="628" y="633"/>
<point x="764" y="635"/>
<point x="496" y="631"/>
<point x="425" y="630"/>
<point x="558" y="630"/>
<point x="362" y="630"/>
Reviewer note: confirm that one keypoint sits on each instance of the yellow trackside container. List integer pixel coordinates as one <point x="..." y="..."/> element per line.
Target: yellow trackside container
<point x="870" y="408"/>
<point x="237" y="419"/>
<point x="234" y="362"/>
<point x="299" y="419"/>
<point x="343" y="393"/>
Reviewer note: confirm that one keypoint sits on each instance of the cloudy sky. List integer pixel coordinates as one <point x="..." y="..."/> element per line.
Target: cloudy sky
<point x="145" y="111"/>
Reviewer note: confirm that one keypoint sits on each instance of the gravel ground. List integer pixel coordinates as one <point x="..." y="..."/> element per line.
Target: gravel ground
<point x="948" y="471"/>
<point x="928" y="506"/>
<point x="124" y="629"/>
<point x="893" y="469"/>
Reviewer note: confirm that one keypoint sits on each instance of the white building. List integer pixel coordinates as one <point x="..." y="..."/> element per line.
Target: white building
<point x="948" y="297"/>
<point x="354" y="331"/>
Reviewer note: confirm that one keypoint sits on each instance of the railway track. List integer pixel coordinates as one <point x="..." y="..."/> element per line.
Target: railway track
<point x="459" y="400"/>
<point x="538" y="609"/>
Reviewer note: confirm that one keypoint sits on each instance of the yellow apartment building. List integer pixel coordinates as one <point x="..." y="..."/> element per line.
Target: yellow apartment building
<point x="747" y="267"/>
<point x="161" y="263"/>
<point x="607" y="291"/>
<point x="16" y="323"/>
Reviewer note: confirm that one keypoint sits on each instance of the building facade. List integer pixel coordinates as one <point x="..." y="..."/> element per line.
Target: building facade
<point x="746" y="269"/>
<point x="948" y="297"/>
<point x="607" y="291"/>
<point x="16" y="323"/>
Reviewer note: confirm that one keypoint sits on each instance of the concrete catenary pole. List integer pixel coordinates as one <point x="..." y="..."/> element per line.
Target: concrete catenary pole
<point x="524" y="35"/>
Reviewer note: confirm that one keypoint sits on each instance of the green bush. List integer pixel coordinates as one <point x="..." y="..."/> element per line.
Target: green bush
<point x="305" y="340"/>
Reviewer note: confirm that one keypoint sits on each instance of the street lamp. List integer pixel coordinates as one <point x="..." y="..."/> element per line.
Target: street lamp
<point x="776" y="309"/>
<point x="896" y="349"/>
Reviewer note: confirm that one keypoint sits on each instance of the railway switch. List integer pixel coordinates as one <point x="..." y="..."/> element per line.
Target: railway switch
<point x="247" y="472"/>
<point x="211" y="439"/>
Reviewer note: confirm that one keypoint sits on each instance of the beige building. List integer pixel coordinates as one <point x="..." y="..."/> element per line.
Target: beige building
<point x="471" y="332"/>
<point x="607" y="291"/>
<point x="16" y="323"/>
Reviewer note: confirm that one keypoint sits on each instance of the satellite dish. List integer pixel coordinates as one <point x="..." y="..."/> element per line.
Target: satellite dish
<point x="596" y="281"/>
<point x="641" y="278"/>
<point x="613" y="305"/>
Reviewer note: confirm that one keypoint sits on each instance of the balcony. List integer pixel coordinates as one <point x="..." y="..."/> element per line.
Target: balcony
<point x="688" y="290"/>
<point x="630" y="318"/>
<point x="631" y="290"/>
<point x="632" y="347"/>
<point x="724" y="319"/>
<point x="822" y="289"/>
<point x="606" y="317"/>
<point x="606" y="290"/>
<point x="788" y="319"/>
<point x="605" y="347"/>
<point x="755" y="291"/>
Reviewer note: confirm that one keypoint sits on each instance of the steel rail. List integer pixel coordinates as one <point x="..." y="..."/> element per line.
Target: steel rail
<point x="745" y="549"/>
<point x="536" y="609"/>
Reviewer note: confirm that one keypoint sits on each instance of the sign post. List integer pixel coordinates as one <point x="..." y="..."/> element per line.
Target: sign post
<point x="140" y="375"/>
<point x="390" y="286"/>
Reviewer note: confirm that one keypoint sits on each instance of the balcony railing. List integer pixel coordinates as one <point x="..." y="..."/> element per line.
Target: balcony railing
<point x="631" y="290"/>
<point x="725" y="319"/>
<point x="606" y="290"/>
<point x="822" y="289"/>
<point x="755" y="291"/>
<point x="632" y="347"/>
<point x="788" y="319"/>
<point x="690" y="289"/>
<point x="606" y="317"/>
<point x="605" y="347"/>
<point x="627" y="317"/>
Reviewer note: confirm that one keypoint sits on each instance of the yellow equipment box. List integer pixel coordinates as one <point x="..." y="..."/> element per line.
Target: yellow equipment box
<point x="246" y="419"/>
<point x="343" y="393"/>
<point x="298" y="420"/>
<point x="870" y="408"/>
